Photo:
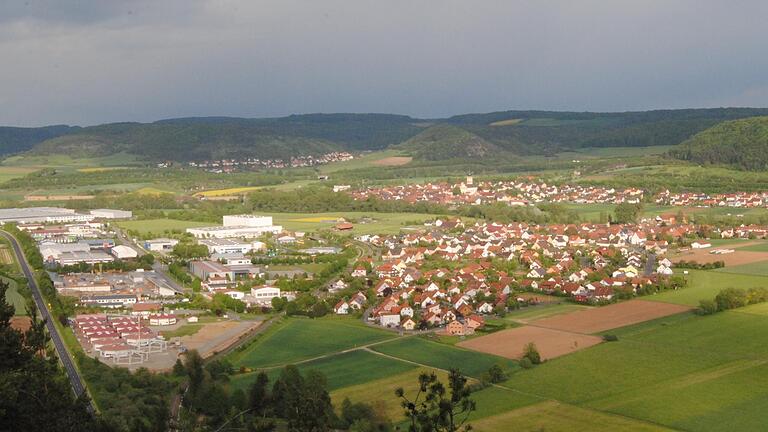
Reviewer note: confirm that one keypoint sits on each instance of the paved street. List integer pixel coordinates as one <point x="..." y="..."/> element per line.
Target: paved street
<point x="42" y="306"/>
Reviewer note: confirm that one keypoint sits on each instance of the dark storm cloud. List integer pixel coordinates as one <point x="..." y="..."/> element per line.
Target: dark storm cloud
<point x="88" y="62"/>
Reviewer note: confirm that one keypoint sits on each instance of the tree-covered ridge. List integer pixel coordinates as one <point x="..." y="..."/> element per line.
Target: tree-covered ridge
<point x="741" y="143"/>
<point x="445" y="141"/>
<point x="470" y="135"/>
<point x="19" y="139"/>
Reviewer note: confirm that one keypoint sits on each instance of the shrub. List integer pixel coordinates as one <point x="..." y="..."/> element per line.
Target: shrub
<point x="526" y="363"/>
<point x="532" y="353"/>
<point x="706" y="307"/>
<point x="731" y="298"/>
<point x="610" y="338"/>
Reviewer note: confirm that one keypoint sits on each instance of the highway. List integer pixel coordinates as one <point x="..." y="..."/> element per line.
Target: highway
<point x="42" y="306"/>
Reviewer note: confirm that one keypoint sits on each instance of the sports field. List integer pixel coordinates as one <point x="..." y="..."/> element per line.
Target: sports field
<point x="299" y="339"/>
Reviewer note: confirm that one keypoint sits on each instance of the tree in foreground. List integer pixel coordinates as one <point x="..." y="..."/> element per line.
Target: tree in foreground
<point x="34" y="392"/>
<point x="437" y="409"/>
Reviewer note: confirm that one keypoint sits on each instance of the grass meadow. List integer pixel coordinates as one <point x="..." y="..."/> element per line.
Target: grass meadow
<point x="442" y="356"/>
<point x="684" y="371"/>
<point x="298" y="339"/>
<point x="705" y="284"/>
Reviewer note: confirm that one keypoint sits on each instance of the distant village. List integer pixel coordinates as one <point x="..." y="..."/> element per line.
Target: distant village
<point x="234" y="165"/>
<point x="530" y="191"/>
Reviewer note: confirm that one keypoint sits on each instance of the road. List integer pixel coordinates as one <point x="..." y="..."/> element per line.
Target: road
<point x="42" y="307"/>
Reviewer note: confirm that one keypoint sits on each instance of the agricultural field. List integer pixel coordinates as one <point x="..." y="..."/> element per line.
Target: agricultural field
<point x="703" y="284"/>
<point x="67" y="163"/>
<point x="341" y="370"/>
<point x="227" y="191"/>
<point x="609" y="317"/>
<point x="550" y="343"/>
<point x="12" y="172"/>
<point x="364" y="161"/>
<point x="159" y="226"/>
<point x="442" y="356"/>
<point x="364" y="222"/>
<point x="542" y="311"/>
<point x="758" y="268"/>
<point x="682" y="371"/>
<point x="302" y="339"/>
<point x="554" y="416"/>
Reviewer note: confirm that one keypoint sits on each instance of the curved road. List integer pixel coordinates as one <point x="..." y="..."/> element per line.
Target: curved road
<point x="42" y="307"/>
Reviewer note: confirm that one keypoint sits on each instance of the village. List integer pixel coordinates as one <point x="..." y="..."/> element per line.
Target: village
<point x="234" y="165"/>
<point x="453" y="275"/>
<point x="529" y="191"/>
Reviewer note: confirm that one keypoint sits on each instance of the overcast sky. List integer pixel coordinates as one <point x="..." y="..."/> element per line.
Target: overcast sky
<point x="94" y="61"/>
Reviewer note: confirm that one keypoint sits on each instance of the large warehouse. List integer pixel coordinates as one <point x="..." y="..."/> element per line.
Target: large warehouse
<point x="238" y="226"/>
<point x="42" y="215"/>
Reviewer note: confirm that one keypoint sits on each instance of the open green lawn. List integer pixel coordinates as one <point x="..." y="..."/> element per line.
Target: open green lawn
<point x="762" y="246"/>
<point x="341" y="370"/>
<point x="543" y="311"/>
<point x="551" y="416"/>
<point x="66" y="162"/>
<point x="14" y="297"/>
<point x="684" y="371"/>
<point x="759" y="268"/>
<point x="705" y="284"/>
<point x="300" y="339"/>
<point x="158" y="226"/>
<point x="442" y="356"/>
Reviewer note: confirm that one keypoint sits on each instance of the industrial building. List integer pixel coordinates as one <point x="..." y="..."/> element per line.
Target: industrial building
<point x="238" y="226"/>
<point x="42" y="215"/>
<point x="160" y="245"/>
<point x="111" y="214"/>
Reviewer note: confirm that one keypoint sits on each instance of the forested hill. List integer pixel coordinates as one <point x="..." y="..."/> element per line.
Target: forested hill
<point x="471" y="135"/>
<point x="741" y="143"/>
<point x="19" y="139"/>
<point x="444" y="141"/>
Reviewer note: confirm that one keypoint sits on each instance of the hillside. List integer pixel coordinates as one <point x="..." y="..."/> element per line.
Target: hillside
<point x="218" y="137"/>
<point x="18" y="139"/>
<point x="444" y="141"/>
<point x="741" y="143"/>
<point x="513" y="132"/>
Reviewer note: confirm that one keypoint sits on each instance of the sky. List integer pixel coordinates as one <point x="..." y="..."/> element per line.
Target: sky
<point x="86" y="62"/>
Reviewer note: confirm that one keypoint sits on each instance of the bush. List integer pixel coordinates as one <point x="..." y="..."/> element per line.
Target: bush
<point x="610" y="338"/>
<point x="731" y="298"/>
<point x="526" y="363"/>
<point x="532" y="353"/>
<point x="706" y="307"/>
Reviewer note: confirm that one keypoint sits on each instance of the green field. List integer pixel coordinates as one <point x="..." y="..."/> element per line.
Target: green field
<point x="442" y="356"/>
<point x="551" y="416"/>
<point x="704" y="284"/>
<point x="301" y="339"/>
<point x="341" y="370"/>
<point x="543" y="311"/>
<point x="683" y="371"/>
<point x="65" y="162"/>
<point x="159" y="226"/>
<point x="381" y="223"/>
<point x="759" y="268"/>
<point x="14" y="297"/>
